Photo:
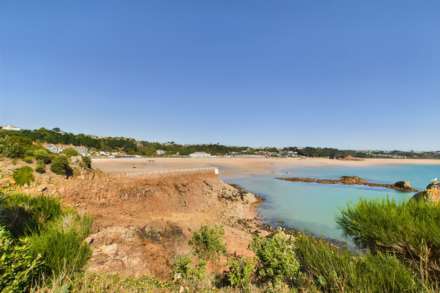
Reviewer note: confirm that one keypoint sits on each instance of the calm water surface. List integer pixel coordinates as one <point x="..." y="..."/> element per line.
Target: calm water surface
<point x="314" y="207"/>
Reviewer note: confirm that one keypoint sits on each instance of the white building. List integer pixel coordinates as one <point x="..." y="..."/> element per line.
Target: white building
<point x="160" y="152"/>
<point x="54" y="148"/>
<point x="10" y="128"/>
<point x="200" y="155"/>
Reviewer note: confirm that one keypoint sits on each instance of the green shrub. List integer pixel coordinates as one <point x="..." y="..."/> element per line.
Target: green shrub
<point x="277" y="262"/>
<point x="60" y="166"/>
<point x="185" y="272"/>
<point x="41" y="167"/>
<point x="28" y="159"/>
<point x="208" y="242"/>
<point x="240" y="272"/>
<point x="19" y="269"/>
<point x="22" y="214"/>
<point x="23" y="176"/>
<point x="70" y="152"/>
<point x="42" y="155"/>
<point x="410" y="230"/>
<point x="337" y="270"/>
<point x="86" y="162"/>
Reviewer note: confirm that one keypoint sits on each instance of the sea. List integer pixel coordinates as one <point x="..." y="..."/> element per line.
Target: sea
<point x="314" y="208"/>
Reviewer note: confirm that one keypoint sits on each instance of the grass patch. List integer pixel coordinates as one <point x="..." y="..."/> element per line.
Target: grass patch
<point x="337" y="270"/>
<point x="61" y="250"/>
<point x="90" y="282"/>
<point x="22" y="214"/>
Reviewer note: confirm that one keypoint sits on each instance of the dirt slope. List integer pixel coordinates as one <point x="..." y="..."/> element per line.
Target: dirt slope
<point x="142" y="223"/>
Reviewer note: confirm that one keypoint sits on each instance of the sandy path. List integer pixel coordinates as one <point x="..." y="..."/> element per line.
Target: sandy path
<point x="235" y="167"/>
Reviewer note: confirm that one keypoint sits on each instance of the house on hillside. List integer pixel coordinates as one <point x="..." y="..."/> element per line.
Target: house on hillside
<point x="160" y="152"/>
<point x="54" y="148"/>
<point x="200" y="155"/>
<point x="10" y="128"/>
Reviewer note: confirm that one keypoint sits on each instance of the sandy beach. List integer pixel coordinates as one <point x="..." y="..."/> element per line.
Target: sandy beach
<point x="234" y="167"/>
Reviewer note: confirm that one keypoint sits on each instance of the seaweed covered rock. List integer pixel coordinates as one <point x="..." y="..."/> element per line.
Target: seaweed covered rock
<point x="403" y="185"/>
<point x="431" y="193"/>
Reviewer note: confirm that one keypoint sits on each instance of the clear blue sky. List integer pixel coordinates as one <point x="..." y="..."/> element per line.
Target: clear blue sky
<point x="349" y="74"/>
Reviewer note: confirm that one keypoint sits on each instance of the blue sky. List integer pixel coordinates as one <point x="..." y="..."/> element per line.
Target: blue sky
<point x="349" y="74"/>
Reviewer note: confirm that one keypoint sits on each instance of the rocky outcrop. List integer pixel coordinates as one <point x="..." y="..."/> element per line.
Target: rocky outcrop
<point x="402" y="186"/>
<point x="430" y="194"/>
<point x="405" y="185"/>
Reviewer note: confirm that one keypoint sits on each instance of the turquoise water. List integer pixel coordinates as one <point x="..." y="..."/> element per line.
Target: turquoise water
<point x="313" y="208"/>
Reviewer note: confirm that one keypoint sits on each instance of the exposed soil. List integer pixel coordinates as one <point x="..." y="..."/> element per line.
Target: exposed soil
<point x="142" y="223"/>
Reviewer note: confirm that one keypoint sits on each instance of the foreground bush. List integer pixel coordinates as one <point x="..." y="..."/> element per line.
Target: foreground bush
<point x="23" y="176"/>
<point x="410" y="230"/>
<point x="60" y="166"/>
<point x="186" y="273"/>
<point x="276" y="257"/>
<point x="337" y="270"/>
<point x="38" y="239"/>
<point x="208" y="242"/>
<point x="19" y="269"/>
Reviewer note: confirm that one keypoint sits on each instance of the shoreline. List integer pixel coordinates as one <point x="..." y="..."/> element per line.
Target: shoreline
<point x="238" y="167"/>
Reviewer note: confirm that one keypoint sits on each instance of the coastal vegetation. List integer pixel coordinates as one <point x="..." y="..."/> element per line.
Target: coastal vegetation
<point x="44" y="250"/>
<point x="208" y="242"/>
<point x="43" y="245"/>
<point x="13" y="144"/>
<point x="408" y="230"/>
<point x="39" y="240"/>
